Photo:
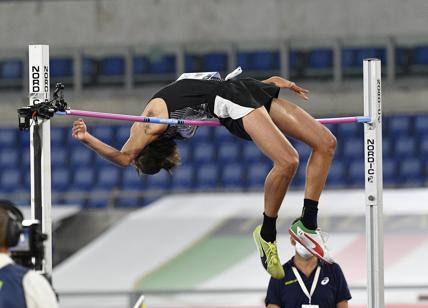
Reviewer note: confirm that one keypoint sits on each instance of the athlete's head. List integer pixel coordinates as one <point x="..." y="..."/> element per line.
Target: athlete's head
<point x="160" y="154"/>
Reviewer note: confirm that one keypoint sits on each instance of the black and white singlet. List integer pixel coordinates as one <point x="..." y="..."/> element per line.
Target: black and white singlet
<point x="229" y="101"/>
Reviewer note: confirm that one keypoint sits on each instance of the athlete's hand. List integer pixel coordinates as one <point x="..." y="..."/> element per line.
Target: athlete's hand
<point x="287" y="84"/>
<point x="303" y="93"/>
<point x="79" y="130"/>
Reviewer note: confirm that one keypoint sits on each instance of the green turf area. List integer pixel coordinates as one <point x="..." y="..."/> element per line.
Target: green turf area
<point x="201" y="262"/>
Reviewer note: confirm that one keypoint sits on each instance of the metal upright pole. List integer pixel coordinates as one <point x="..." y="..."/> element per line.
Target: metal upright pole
<point x="40" y="149"/>
<point x="373" y="182"/>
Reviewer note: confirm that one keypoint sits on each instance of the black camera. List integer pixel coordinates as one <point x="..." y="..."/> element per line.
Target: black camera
<point x="43" y="110"/>
<point x="30" y="249"/>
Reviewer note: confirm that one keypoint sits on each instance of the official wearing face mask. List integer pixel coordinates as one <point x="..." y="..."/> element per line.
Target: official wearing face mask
<point x="308" y="283"/>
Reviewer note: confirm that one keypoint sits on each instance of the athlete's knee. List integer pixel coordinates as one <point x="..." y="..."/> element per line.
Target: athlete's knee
<point x="328" y="143"/>
<point x="289" y="163"/>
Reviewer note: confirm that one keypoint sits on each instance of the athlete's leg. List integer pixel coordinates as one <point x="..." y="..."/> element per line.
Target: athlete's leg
<point x="294" y="121"/>
<point x="297" y="123"/>
<point x="274" y="145"/>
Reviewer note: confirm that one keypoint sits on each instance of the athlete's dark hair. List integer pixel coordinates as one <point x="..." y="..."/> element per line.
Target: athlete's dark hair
<point x="159" y="154"/>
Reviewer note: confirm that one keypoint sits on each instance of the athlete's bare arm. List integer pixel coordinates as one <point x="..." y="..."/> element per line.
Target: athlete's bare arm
<point x="284" y="83"/>
<point x="141" y="134"/>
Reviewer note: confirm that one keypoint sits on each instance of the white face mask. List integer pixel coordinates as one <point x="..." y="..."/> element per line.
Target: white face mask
<point x="302" y="251"/>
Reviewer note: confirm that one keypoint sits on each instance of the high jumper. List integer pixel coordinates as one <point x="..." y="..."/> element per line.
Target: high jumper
<point x="251" y="110"/>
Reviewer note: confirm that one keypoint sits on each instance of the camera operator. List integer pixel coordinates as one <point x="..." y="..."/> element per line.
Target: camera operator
<point x="20" y="287"/>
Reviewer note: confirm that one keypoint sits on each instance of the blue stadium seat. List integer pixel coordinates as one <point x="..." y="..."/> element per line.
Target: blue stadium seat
<point x="61" y="179"/>
<point x="204" y="153"/>
<point x="10" y="180"/>
<point x="405" y="147"/>
<point x="350" y="130"/>
<point x="299" y="178"/>
<point x="9" y="158"/>
<point x="25" y="159"/>
<point x="423" y="146"/>
<point x="97" y="202"/>
<point x="158" y="181"/>
<point x="401" y="56"/>
<point x="183" y="178"/>
<point x="387" y="146"/>
<point x="229" y="152"/>
<point x="163" y="65"/>
<point x="332" y="128"/>
<point x="203" y="133"/>
<point x="105" y="133"/>
<point x="207" y="177"/>
<point x="348" y="58"/>
<point x="74" y="200"/>
<point x="411" y="172"/>
<point x="251" y="153"/>
<point x="193" y="63"/>
<point x="8" y="137"/>
<point x="356" y="173"/>
<point x="83" y="179"/>
<point x="131" y="179"/>
<point x="221" y="134"/>
<point x="243" y="59"/>
<point x="185" y="150"/>
<point x="149" y="199"/>
<point x="215" y="62"/>
<point x="421" y="124"/>
<point x="321" y="58"/>
<point x="24" y="139"/>
<point x="11" y="70"/>
<point x="59" y="157"/>
<point x="61" y="67"/>
<point x="101" y="162"/>
<point x="112" y="66"/>
<point x="256" y="175"/>
<point x="337" y="174"/>
<point x="353" y="149"/>
<point x="400" y="126"/>
<point x="353" y="57"/>
<point x="232" y="176"/>
<point x="108" y="178"/>
<point x="265" y="60"/>
<point x="261" y="60"/>
<point x="26" y="177"/>
<point x="293" y="59"/>
<point x="141" y="65"/>
<point x="89" y="67"/>
<point x="303" y="150"/>
<point x="58" y="136"/>
<point x="365" y="53"/>
<point x="390" y="178"/>
<point x="129" y="202"/>
<point x="122" y="135"/>
<point x="421" y="55"/>
<point x="81" y="156"/>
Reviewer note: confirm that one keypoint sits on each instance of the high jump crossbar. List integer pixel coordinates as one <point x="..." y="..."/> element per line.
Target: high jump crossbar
<point x="211" y="122"/>
<point x="40" y="164"/>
